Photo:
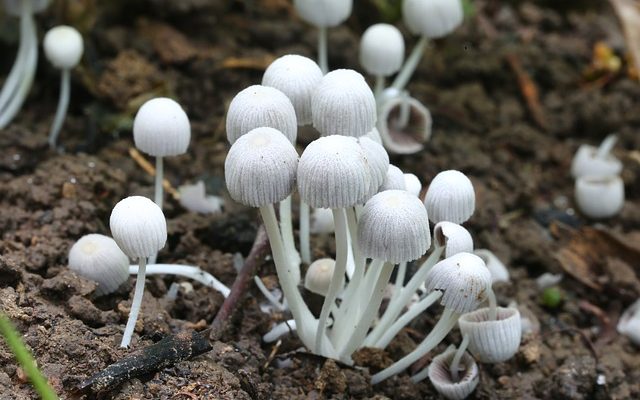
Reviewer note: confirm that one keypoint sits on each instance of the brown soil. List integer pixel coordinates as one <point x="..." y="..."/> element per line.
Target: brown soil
<point x="203" y="53"/>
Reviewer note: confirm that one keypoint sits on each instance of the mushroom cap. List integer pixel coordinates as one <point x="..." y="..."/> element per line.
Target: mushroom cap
<point x="463" y="279"/>
<point x="258" y="106"/>
<point x="499" y="272"/>
<point x="260" y="168"/>
<point x="318" y="276"/>
<point x="138" y="226"/>
<point x="399" y="138"/>
<point x="322" y="221"/>
<point x="629" y="323"/>
<point x="432" y="18"/>
<point x="374" y="135"/>
<point x="333" y="172"/>
<point x="14" y="7"/>
<point x="98" y="257"/>
<point x="394" y="227"/>
<point x="382" y="50"/>
<point x="161" y="128"/>
<point x="440" y="375"/>
<point x="599" y="197"/>
<point x="492" y="341"/>
<point x="63" y="46"/>
<point x="343" y="104"/>
<point x="413" y="184"/>
<point x="454" y="237"/>
<point x="297" y="77"/>
<point x="394" y="179"/>
<point x="586" y="162"/>
<point x="378" y="161"/>
<point x="450" y="197"/>
<point x="324" y="13"/>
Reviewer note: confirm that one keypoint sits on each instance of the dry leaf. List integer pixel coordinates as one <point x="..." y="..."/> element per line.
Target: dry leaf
<point x="628" y="12"/>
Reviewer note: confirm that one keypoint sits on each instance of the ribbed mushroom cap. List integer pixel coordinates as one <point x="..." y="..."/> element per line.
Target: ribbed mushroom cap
<point x="432" y="18"/>
<point x="260" y="168"/>
<point x="381" y="50"/>
<point x="324" y="13"/>
<point x="98" y="257"/>
<point x="450" y="197"/>
<point x="463" y="279"/>
<point x="14" y="7"/>
<point x="394" y="227"/>
<point x="318" y="276"/>
<point x="378" y="161"/>
<point x="412" y="184"/>
<point x="586" y="163"/>
<point x="161" y="128"/>
<point x="454" y="237"/>
<point x="333" y="172"/>
<point x="599" y="196"/>
<point x="258" y="106"/>
<point x="343" y="104"/>
<point x="440" y="375"/>
<point x="394" y="179"/>
<point x="63" y="46"/>
<point x="492" y="341"/>
<point x="297" y="77"/>
<point x="138" y="226"/>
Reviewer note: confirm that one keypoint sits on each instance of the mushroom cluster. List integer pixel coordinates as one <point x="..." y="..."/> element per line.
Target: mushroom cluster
<point x="378" y="219"/>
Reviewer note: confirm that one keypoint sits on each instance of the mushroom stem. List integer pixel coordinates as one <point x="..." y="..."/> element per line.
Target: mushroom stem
<point x="379" y="88"/>
<point x="28" y="70"/>
<point x="135" y="303"/>
<point x="16" y="73"/>
<point x="323" y="62"/>
<point x="342" y="231"/>
<point x="396" y="305"/>
<point x="286" y="226"/>
<point x="446" y="322"/>
<point x="305" y="247"/>
<point x="405" y="111"/>
<point x="188" y="271"/>
<point x="606" y="146"/>
<point x="157" y="197"/>
<point x="61" y="112"/>
<point x="410" y="65"/>
<point x="405" y="319"/>
<point x="268" y="295"/>
<point x="493" y="304"/>
<point x="305" y="322"/>
<point x="279" y="330"/>
<point x="455" y="363"/>
<point x="370" y="311"/>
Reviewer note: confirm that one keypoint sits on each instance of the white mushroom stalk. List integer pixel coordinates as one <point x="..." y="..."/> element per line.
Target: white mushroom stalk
<point x="20" y="78"/>
<point x="187" y="271"/>
<point x="139" y="228"/>
<point x="63" y="46"/>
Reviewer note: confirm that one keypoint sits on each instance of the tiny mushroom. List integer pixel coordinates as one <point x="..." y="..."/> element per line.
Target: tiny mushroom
<point x="599" y="197"/>
<point x="413" y="184"/>
<point x="596" y="161"/>
<point x="394" y="179"/>
<point x="455" y="238"/>
<point x="440" y="375"/>
<point x="318" y="276"/>
<point x="492" y="340"/>
<point x="450" y="197"/>
<point x="381" y="52"/>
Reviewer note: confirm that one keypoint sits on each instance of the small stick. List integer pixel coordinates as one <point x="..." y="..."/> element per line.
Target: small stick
<point x="149" y="169"/>
<point x="182" y="346"/>
<point x="529" y="91"/>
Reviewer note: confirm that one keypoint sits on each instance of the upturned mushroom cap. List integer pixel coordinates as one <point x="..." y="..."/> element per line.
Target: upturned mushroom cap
<point x="318" y="276"/>
<point x="492" y="341"/>
<point x="440" y="376"/>
<point x="161" y="128"/>
<point x="587" y="163"/>
<point x="450" y="197"/>
<point x="382" y="50"/>
<point x="260" y="168"/>
<point x="378" y="161"/>
<point x="333" y="172"/>
<point x="63" y="46"/>
<point x="394" y="227"/>
<point x="455" y="238"/>
<point x="138" y="226"/>
<point x="394" y="179"/>
<point x="432" y="18"/>
<point x="399" y="137"/>
<point x="599" y="197"/>
<point x="324" y="13"/>
<point x="413" y="184"/>
<point x="14" y="7"/>
<point x="258" y="106"/>
<point x="463" y="279"/>
<point x="343" y="104"/>
<point x="98" y="257"/>
<point x="297" y="77"/>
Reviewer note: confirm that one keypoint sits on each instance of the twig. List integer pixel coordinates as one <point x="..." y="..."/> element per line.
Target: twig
<point x="182" y="346"/>
<point x="150" y="169"/>
<point x="529" y="91"/>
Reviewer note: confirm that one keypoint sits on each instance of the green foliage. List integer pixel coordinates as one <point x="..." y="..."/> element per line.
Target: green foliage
<point x="390" y="10"/>
<point x="26" y="361"/>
